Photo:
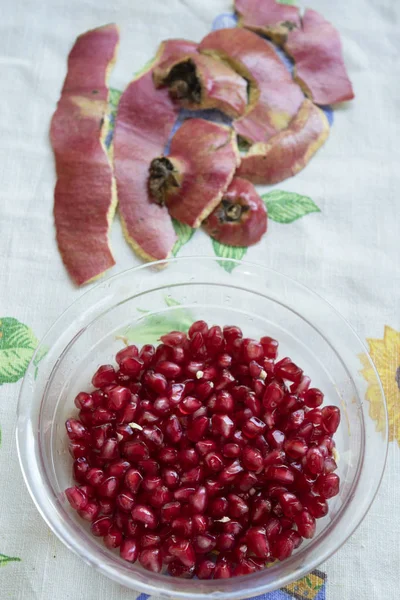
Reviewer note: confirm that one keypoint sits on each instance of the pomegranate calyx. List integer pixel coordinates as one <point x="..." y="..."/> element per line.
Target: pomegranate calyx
<point x="162" y="177"/>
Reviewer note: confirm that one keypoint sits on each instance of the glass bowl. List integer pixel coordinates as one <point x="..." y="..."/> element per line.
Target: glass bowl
<point x="140" y="305"/>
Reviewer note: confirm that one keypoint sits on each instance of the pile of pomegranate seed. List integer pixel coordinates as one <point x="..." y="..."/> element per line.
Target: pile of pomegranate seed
<point x="204" y="454"/>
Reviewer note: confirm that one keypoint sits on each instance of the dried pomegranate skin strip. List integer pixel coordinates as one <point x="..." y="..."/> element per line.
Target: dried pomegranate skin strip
<point x="289" y="151"/>
<point x="317" y="52"/>
<point x="268" y="17"/>
<point x="200" y="82"/>
<point x="274" y="97"/>
<point x="143" y="124"/>
<point x="84" y="197"/>
<point x="206" y="157"/>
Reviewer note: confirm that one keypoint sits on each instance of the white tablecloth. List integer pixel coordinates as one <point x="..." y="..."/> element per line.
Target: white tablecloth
<point x="349" y="252"/>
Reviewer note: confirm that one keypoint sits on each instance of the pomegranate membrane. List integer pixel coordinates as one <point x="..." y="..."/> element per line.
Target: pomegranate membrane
<point x="205" y="456"/>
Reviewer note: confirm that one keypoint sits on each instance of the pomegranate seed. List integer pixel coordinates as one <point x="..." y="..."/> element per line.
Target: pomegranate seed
<point x="144" y="514"/>
<point x="314" y="461"/>
<point x="131" y="351"/>
<point x="222" y="425"/>
<point x="198" y="501"/>
<point x="204" y="389"/>
<point x="160" y="496"/>
<point x="205" y="569"/>
<point x="170" y="478"/>
<point x="230" y="473"/>
<point x="118" y="397"/>
<point x="270" y="347"/>
<point x="276" y="439"/>
<point x="206" y="446"/>
<point x="253" y="404"/>
<point x="113" y="538"/>
<point x="102" y="415"/>
<point x="252" y="459"/>
<point x="198" y="327"/>
<point x="105" y="375"/>
<point x="76" y="497"/>
<point x="295" y="448"/>
<point x="280" y="473"/>
<point x="170" y="511"/>
<point x="225" y="542"/>
<point x="219" y="507"/>
<point x="316" y="505"/>
<point x="305" y="524"/>
<point x="184" y="493"/>
<point x="149" y="540"/>
<point x="204" y="543"/>
<point x="314" y="416"/>
<point x="136" y="450"/>
<point x="231" y="450"/>
<point x="198" y="428"/>
<point x="237" y="507"/>
<point x="127" y="414"/>
<point x="328" y="485"/>
<point x="95" y="476"/>
<point x="156" y="382"/>
<point x="129" y="550"/>
<point x="76" y="431"/>
<point x="246" y="481"/>
<point x="168" y="455"/>
<point x="169" y="369"/>
<point x="177" y="569"/>
<point x="173" y="429"/>
<point x="84" y="401"/>
<point x="106" y="506"/>
<point x="245" y="567"/>
<point x="162" y="406"/>
<point x="109" y="487"/>
<point x="283" y="546"/>
<point x="150" y="559"/>
<point x="189" y="405"/>
<point x="125" y="501"/>
<point x="291" y="505"/>
<point x="257" y="542"/>
<point x="260" y="511"/>
<point x="174" y="338"/>
<point x="253" y="427"/>
<point x="188" y="458"/>
<point x="313" y="397"/>
<point x="214" y="462"/>
<point x="146" y="354"/>
<point x="222" y="569"/>
<point x="330" y="419"/>
<point x="182" y="526"/>
<point x="151" y="483"/>
<point x="89" y="512"/>
<point x="329" y="465"/>
<point x="110" y="450"/>
<point x="100" y="527"/>
<point x="81" y="469"/>
<point x="118" y="468"/>
<point x="305" y="431"/>
<point x="183" y="551"/>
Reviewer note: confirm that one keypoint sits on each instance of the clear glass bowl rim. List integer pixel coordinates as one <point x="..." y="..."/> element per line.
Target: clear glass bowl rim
<point x="155" y="585"/>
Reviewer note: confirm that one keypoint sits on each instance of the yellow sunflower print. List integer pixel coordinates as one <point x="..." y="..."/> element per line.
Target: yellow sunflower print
<point x="386" y="356"/>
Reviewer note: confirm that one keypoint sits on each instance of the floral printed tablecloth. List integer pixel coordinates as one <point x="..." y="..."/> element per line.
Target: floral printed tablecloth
<point x="334" y="227"/>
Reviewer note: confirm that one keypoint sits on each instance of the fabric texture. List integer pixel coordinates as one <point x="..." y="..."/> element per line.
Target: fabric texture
<point x="343" y="242"/>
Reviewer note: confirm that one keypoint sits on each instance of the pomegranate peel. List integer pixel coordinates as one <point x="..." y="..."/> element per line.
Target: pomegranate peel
<point x="241" y="217"/>
<point x="84" y="196"/>
<point x="274" y="98"/>
<point x="143" y="125"/>
<point x="288" y="152"/>
<point x="193" y="177"/>
<point x="268" y="17"/>
<point x="201" y="82"/>
<point x="316" y="49"/>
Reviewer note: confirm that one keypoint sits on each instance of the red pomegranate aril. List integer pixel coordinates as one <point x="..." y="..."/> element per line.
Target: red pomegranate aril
<point x="294" y="420"/>
<point x="275" y="457"/>
<point x="237" y="507"/>
<point x="125" y="501"/>
<point x="198" y="327"/>
<point x="204" y="543"/>
<point x="102" y="415"/>
<point x="314" y="461"/>
<point x="118" y="397"/>
<point x="170" y="511"/>
<point x="204" y="389"/>
<point x="81" y="469"/>
<point x="169" y="369"/>
<point x="100" y="527"/>
<point x="183" y="551"/>
<point x="253" y="404"/>
<point x="305" y="431"/>
<point x="260" y="511"/>
<point x="205" y="569"/>
<point x="281" y="474"/>
<point x="223" y="425"/>
<point x="131" y="351"/>
<point x="84" y="401"/>
<point x="113" y="538"/>
<point x="245" y="567"/>
<point x="283" y="546"/>
<point x="184" y="493"/>
<point x="226" y="379"/>
<point x="199" y="500"/>
<point x="160" y="496"/>
<point x="124" y="432"/>
<point x="259" y="389"/>
<point x="135" y="450"/>
<point x="214" y="462"/>
<point x="313" y="397"/>
<point x="177" y="569"/>
<point x="214" y="338"/>
<point x="255" y="369"/>
<point x="149" y="540"/>
<point x="156" y="382"/>
<point x="224" y="361"/>
<point x="252" y="459"/>
<point x="86" y="417"/>
<point x="127" y="414"/>
<point x="174" y="338"/>
<point x="291" y="505"/>
<point x="129" y="549"/>
<point x="150" y="559"/>
<point x="231" y="450"/>
<point x="110" y="449"/>
<point x="171" y="478"/>
<point x="316" y="505"/>
<point x="151" y="483"/>
<point x="328" y="485"/>
<point x="109" y="487"/>
<point x="225" y="542"/>
<point x="252" y="350"/>
<point x="189" y="405"/>
<point x="330" y="419"/>
<point x="188" y="458"/>
<point x="257" y="542"/>
<point x="222" y="569"/>
<point x="173" y="429"/>
<point x="182" y="526"/>
<point x="144" y="514"/>
<point x="272" y="529"/>
<point x="168" y="455"/>
<point x="197" y="428"/>
<point x="230" y="473"/>
<point x="105" y="375"/>
<point x="76" y="431"/>
<point x="106" y="506"/>
<point x="253" y="427"/>
<point x="276" y="439"/>
<point x="205" y="446"/>
<point x="146" y="354"/>
<point x="301" y="387"/>
<point x="89" y="512"/>
<point x="306" y="524"/>
<point x="295" y="448"/>
<point x="118" y="468"/>
<point x="329" y="465"/>
<point x="314" y="416"/>
<point x="76" y="497"/>
<point x="270" y="347"/>
<point x="219" y="507"/>
<point x="162" y="406"/>
<point x="94" y="476"/>
<point x="246" y="481"/>
<point x="286" y="369"/>
<point x="224" y="402"/>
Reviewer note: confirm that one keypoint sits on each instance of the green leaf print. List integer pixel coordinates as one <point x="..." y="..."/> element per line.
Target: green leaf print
<point x="151" y="327"/>
<point x="184" y="234"/>
<point x="286" y="207"/>
<point x="291" y="2"/>
<point x="113" y="100"/>
<point x="225" y="251"/>
<point x="7" y="559"/>
<point x="17" y="345"/>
